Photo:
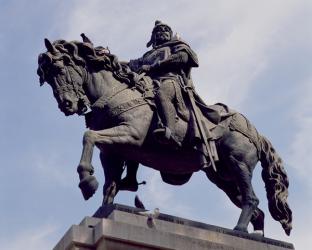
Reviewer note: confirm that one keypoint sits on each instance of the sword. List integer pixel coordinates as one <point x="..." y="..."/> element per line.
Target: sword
<point x="188" y="89"/>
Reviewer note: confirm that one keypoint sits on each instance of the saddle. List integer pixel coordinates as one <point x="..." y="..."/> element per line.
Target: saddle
<point x="213" y="116"/>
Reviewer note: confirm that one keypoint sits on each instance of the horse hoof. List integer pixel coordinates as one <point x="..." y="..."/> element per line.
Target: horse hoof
<point x="126" y="184"/>
<point x="240" y="229"/>
<point x="259" y="233"/>
<point x="88" y="186"/>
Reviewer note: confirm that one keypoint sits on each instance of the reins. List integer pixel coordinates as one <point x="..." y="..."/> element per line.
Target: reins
<point x="74" y="86"/>
<point x="103" y="100"/>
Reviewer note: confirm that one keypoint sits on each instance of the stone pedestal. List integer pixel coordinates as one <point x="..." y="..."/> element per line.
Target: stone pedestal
<point x="119" y="227"/>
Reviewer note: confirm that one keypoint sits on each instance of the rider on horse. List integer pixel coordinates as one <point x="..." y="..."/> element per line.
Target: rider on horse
<point x="81" y="75"/>
<point x="169" y="64"/>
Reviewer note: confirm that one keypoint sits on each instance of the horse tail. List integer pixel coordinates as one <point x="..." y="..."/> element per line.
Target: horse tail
<point x="276" y="184"/>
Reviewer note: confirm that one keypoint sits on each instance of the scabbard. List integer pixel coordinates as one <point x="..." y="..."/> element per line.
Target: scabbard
<point x="202" y="131"/>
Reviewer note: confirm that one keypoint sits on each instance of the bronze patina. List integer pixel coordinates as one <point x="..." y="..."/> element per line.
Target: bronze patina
<point x="147" y="112"/>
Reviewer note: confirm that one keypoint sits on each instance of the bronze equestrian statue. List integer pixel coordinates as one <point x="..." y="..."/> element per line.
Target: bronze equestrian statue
<point x="125" y="112"/>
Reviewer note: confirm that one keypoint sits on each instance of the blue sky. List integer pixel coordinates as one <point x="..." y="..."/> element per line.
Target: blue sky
<point x="254" y="56"/>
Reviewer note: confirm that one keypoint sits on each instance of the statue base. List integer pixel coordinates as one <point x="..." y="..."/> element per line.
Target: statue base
<point x="118" y="227"/>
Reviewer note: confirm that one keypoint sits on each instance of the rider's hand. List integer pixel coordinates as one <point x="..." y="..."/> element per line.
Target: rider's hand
<point x="146" y="68"/>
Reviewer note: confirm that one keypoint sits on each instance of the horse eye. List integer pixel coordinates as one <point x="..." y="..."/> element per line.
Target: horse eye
<point x="58" y="70"/>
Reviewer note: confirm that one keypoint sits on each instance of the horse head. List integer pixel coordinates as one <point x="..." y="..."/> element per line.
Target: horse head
<point x="65" y="70"/>
<point x="66" y="67"/>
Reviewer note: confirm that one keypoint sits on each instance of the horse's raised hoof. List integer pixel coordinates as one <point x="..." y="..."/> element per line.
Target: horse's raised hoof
<point x="88" y="186"/>
<point x="240" y="229"/>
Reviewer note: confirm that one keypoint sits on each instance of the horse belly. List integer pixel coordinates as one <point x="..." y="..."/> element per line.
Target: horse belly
<point x="169" y="161"/>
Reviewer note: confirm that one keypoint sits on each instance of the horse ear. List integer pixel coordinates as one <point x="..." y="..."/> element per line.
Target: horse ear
<point x="50" y="46"/>
<point x="85" y="39"/>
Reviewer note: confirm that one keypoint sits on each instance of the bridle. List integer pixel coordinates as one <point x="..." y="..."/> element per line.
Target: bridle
<point x="72" y="85"/>
<point x="101" y="103"/>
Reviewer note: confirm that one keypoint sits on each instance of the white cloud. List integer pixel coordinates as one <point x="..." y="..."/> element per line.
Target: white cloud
<point x="301" y="147"/>
<point x="158" y="194"/>
<point x="52" y="169"/>
<point x="233" y="39"/>
<point x="233" y="62"/>
<point x="39" y="238"/>
<point x="300" y="233"/>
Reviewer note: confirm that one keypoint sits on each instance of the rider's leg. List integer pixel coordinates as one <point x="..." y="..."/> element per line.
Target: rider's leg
<point x="166" y="110"/>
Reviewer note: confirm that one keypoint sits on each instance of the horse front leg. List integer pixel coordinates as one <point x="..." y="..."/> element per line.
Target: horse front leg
<point x="88" y="183"/>
<point x="119" y="135"/>
<point x="113" y="168"/>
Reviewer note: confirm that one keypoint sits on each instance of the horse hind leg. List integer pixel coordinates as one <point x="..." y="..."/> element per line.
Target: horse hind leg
<point x="257" y="221"/>
<point x="233" y="192"/>
<point x="257" y="217"/>
<point x="249" y="200"/>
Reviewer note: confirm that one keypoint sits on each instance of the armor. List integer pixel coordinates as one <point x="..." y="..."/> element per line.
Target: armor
<point x="169" y="63"/>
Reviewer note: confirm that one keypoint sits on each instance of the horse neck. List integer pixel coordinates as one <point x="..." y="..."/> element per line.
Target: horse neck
<point x="101" y="84"/>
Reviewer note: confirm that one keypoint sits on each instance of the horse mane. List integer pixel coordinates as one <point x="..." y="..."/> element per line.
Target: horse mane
<point x="86" y="55"/>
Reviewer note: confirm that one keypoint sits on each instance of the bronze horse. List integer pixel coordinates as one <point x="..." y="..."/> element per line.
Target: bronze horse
<point x="122" y="119"/>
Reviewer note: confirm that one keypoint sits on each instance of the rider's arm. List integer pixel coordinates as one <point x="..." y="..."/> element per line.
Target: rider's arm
<point x="179" y="59"/>
<point x="136" y="64"/>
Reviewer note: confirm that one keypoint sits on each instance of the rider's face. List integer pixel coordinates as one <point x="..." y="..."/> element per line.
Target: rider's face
<point x="162" y="35"/>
